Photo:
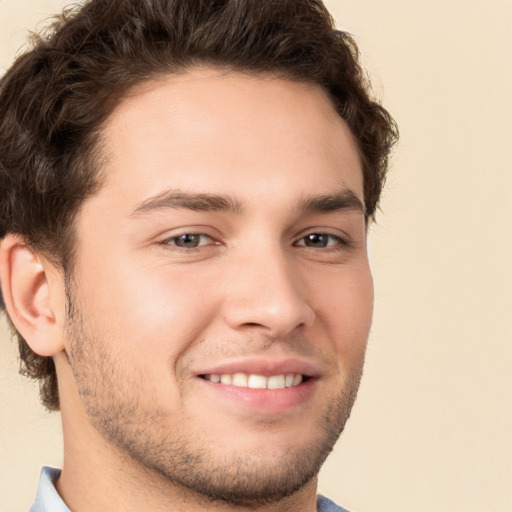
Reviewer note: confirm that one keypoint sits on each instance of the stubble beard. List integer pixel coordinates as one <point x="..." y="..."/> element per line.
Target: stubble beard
<point x="183" y="460"/>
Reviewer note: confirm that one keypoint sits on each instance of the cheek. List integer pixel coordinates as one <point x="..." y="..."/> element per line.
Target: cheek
<point x="160" y="310"/>
<point x="345" y="309"/>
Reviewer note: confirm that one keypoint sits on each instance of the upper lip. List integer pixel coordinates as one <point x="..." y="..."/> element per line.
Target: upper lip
<point x="262" y="366"/>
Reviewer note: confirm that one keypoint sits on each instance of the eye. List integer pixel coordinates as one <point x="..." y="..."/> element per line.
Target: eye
<point x="321" y="241"/>
<point x="189" y="240"/>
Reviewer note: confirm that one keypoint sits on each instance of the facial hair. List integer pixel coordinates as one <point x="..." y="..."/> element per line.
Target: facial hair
<point x="118" y="403"/>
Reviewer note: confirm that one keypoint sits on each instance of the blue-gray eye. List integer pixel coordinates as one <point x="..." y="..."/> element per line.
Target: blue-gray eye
<point x="189" y="240"/>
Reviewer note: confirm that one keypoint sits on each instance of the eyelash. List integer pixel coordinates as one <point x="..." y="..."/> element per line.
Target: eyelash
<point x="170" y="240"/>
<point x="340" y="243"/>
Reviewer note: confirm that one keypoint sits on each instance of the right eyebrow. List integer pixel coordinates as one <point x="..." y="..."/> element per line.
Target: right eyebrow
<point x="172" y="199"/>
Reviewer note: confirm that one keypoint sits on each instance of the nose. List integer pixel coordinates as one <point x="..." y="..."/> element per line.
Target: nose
<point x="266" y="293"/>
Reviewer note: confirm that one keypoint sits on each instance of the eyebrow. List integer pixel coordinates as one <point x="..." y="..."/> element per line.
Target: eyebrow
<point x="191" y="201"/>
<point x="172" y="199"/>
<point x="338" y="201"/>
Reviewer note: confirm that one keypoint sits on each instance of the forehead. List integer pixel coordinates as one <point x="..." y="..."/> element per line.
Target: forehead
<point x="224" y="131"/>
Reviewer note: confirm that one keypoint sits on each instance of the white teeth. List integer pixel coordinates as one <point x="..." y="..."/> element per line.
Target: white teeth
<point x="257" y="382"/>
<point x="276" y="382"/>
<point x="253" y="381"/>
<point x="240" y="379"/>
<point x="289" y="380"/>
<point x="226" y="378"/>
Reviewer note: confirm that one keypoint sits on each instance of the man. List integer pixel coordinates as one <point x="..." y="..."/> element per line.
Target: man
<point x="186" y="188"/>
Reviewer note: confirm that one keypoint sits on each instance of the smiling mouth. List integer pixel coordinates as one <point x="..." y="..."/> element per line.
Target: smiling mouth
<point x="253" y="381"/>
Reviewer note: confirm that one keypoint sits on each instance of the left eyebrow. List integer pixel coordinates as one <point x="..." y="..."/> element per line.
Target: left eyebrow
<point x="339" y="201"/>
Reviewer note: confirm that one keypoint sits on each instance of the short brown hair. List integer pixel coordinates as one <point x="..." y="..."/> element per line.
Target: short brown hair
<point x="56" y="97"/>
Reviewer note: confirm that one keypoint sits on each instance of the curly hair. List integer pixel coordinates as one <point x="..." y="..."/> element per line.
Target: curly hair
<point x="57" y="96"/>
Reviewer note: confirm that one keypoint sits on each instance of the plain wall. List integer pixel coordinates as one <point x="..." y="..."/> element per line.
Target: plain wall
<point x="432" y="427"/>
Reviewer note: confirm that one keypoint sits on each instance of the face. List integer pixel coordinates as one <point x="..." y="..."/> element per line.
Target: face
<point x="222" y="296"/>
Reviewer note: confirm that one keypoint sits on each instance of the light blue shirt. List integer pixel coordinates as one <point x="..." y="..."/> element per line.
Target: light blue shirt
<point x="48" y="499"/>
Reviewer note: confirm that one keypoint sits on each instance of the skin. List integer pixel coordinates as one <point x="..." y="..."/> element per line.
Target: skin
<point x="277" y="276"/>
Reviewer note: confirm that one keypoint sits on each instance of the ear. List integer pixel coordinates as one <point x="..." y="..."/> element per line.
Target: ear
<point x="34" y="295"/>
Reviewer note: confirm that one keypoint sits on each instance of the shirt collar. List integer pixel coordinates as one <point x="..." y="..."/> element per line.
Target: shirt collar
<point x="48" y="499"/>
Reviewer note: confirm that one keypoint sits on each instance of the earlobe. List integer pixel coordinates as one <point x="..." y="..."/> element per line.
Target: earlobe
<point x="29" y="288"/>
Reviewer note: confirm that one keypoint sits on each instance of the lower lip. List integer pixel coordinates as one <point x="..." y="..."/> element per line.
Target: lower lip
<point x="269" y="401"/>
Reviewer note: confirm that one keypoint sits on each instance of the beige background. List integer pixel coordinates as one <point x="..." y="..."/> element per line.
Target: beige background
<point x="432" y="429"/>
